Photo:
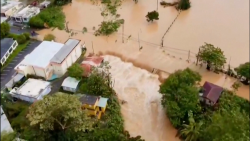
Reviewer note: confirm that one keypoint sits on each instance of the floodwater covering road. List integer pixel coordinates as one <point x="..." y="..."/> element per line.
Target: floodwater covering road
<point x="224" y="23"/>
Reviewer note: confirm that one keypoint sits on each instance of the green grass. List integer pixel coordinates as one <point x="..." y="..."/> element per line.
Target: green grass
<point x="18" y="49"/>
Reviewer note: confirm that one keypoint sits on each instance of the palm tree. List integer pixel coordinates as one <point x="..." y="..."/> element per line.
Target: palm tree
<point x="192" y="130"/>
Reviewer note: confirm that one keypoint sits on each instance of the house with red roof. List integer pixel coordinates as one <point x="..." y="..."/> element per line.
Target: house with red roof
<point x="89" y="63"/>
<point x="211" y="93"/>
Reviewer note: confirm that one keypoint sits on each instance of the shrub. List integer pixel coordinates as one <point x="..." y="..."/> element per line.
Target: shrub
<point x="151" y="16"/>
<point x="5" y="29"/>
<point x="21" y="39"/>
<point x="184" y="5"/>
<point x="34" y="76"/>
<point x="49" y="37"/>
<point x="27" y="35"/>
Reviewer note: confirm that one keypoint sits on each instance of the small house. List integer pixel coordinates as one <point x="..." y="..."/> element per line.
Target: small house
<point x="89" y="62"/>
<point x="26" y="14"/>
<point x="210" y="93"/>
<point x="8" y="45"/>
<point x="31" y="90"/>
<point x="70" y="84"/>
<point x="102" y="104"/>
<point x="95" y="105"/>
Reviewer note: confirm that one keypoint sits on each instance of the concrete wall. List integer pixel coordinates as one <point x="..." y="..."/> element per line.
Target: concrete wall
<point x="61" y="69"/>
<point x="40" y="72"/>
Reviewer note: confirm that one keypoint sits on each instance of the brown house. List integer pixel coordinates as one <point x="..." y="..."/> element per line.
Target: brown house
<point x="211" y="93"/>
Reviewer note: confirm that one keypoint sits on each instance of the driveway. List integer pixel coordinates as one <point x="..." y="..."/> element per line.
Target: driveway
<point x="9" y="71"/>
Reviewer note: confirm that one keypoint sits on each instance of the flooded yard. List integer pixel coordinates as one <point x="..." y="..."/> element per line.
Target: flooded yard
<point x="224" y="23"/>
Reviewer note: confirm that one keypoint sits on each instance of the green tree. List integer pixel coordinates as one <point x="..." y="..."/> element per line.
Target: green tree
<point x="151" y="16"/>
<point x="236" y="86"/>
<point x="108" y="27"/>
<point x="60" y="113"/>
<point x="51" y="16"/>
<point x="76" y="71"/>
<point x="5" y="29"/>
<point x="230" y="101"/>
<point x="184" y="5"/>
<point x="244" y="70"/>
<point x="36" y="22"/>
<point x="232" y="125"/>
<point x="99" y="83"/>
<point x="191" y="131"/>
<point x="213" y="56"/>
<point x="49" y="37"/>
<point x="180" y="95"/>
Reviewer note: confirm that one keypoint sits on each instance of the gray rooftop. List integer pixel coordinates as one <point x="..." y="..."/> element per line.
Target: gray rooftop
<point x="65" y="50"/>
<point x="5" y="45"/>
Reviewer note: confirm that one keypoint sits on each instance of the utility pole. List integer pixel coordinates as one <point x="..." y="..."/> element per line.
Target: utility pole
<point x="198" y="55"/>
<point x="157" y="5"/>
<point x="123" y="33"/>
<point x="67" y="28"/>
<point x="139" y="41"/>
<point x="93" y="48"/>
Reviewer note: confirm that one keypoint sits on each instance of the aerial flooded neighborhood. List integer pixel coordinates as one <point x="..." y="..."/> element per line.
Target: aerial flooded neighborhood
<point x="125" y="70"/>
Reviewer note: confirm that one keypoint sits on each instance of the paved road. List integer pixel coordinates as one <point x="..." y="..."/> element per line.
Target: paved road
<point x="17" y="30"/>
<point x="9" y="71"/>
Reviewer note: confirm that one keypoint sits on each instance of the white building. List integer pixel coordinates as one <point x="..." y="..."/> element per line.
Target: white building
<point x="31" y="90"/>
<point x="26" y="14"/>
<point x="70" y="84"/>
<point x="9" y="8"/>
<point x="68" y="55"/>
<point x="50" y="58"/>
<point x="8" y="45"/>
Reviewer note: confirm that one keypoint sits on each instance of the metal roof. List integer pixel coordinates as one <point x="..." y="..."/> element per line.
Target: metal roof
<point x="212" y="91"/>
<point x="102" y="102"/>
<point x="88" y="99"/>
<point x="65" y="50"/>
<point x="41" y="55"/>
<point x="6" y="43"/>
<point x="70" y="82"/>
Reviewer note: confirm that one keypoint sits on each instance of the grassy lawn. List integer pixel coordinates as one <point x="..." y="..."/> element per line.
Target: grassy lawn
<point x="18" y="49"/>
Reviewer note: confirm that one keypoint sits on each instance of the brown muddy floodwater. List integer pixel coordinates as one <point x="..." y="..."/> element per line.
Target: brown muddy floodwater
<point x="224" y="23"/>
<point x="143" y="112"/>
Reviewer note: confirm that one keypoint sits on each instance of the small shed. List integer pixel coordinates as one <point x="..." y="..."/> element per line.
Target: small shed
<point x="102" y="104"/>
<point x="211" y="93"/>
<point x="70" y="84"/>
